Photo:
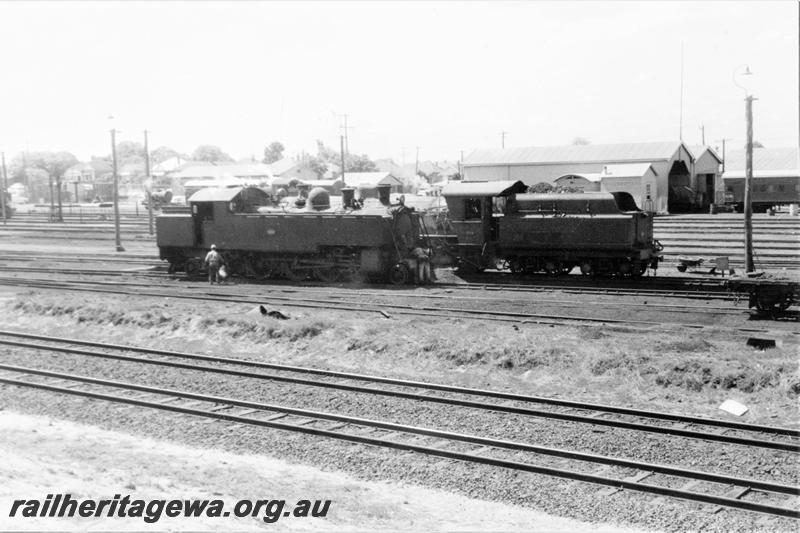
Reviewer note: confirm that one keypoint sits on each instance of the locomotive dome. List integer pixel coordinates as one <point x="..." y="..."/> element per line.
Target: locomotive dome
<point x="318" y="199"/>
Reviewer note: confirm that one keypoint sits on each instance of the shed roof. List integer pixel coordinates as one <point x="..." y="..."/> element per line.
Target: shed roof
<point x="764" y="159"/>
<point x="483" y="188"/>
<point x="656" y="151"/>
<point x="699" y="149"/>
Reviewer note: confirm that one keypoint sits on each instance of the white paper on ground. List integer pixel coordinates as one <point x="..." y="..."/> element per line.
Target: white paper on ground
<point x="733" y="407"/>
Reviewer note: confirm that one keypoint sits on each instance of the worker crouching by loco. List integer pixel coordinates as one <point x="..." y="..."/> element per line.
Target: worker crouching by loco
<point x="214" y="262"/>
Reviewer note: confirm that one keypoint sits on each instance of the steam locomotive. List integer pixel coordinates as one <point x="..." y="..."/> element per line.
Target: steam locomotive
<point x="306" y="238"/>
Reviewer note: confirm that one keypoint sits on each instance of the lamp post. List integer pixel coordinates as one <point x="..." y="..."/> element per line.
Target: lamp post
<point x="117" y="238"/>
<point x="149" y="183"/>
<point x="748" y="175"/>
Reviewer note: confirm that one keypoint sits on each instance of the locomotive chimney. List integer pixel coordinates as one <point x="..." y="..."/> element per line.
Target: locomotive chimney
<point x="383" y="193"/>
<point x="348" y="195"/>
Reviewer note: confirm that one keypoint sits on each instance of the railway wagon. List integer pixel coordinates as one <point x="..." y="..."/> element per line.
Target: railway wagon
<point x="766" y="191"/>
<point x="297" y="240"/>
<point x="497" y="224"/>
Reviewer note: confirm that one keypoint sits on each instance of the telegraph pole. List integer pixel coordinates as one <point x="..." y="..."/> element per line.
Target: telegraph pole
<point x="703" y="134"/>
<point x="4" y="187"/>
<point x="416" y="163"/>
<point x="723" y="141"/>
<point x="341" y="148"/>
<point x="149" y="185"/>
<point x="748" y="187"/>
<point x="503" y="139"/>
<point x="117" y="238"/>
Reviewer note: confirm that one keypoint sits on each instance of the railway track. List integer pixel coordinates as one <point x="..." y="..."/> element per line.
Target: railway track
<point x="482" y="450"/>
<point x="680" y="287"/>
<point x="136" y="271"/>
<point x="328" y="301"/>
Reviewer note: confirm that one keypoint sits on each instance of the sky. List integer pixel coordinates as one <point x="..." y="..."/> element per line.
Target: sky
<point x="438" y="77"/>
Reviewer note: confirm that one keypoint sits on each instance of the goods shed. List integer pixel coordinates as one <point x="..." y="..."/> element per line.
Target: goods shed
<point x="671" y="164"/>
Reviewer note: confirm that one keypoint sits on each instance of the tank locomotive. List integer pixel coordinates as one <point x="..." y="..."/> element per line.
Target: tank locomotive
<point x="498" y="225"/>
<point x="304" y="238"/>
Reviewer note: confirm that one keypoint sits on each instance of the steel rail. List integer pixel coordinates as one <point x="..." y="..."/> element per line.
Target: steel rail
<point x="561" y="303"/>
<point x="498" y="316"/>
<point x="383" y="442"/>
<point x="505" y="316"/>
<point x="585" y="419"/>
<point x="661" y="415"/>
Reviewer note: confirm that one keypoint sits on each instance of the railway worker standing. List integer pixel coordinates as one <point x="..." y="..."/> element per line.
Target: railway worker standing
<point x="213" y="262"/>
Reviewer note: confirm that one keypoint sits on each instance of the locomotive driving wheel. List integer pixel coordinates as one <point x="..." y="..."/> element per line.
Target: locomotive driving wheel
<point x="327" y="274"/>
<point x="587" y="269"/>
<point x="291" y="270"/>
<point x="399" y="274"/>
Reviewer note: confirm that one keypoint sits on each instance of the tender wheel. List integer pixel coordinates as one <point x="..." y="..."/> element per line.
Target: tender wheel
<point x="587" y="268"/>
<point x="681" y="268"/>
<point x="625" y="268"/>
<point x="193" y="267"/>
<point x="551" y="267"/>
<point x="565" y="269"/>
<point x="399" y="274"/>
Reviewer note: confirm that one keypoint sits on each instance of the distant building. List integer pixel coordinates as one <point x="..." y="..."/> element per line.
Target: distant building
<point x="251" y="173"/>
<point x="707" y="172"/>
<point x="289" y="168"/>
<point x="367" y="182"/>
<point x="671" y="189"/>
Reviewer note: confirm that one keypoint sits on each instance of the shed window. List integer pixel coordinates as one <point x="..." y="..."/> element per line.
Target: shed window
<point x="472" y="208"/>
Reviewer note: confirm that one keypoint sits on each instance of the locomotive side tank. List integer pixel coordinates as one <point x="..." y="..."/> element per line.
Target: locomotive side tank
<point x="302" y="239"/>
<point x="600" y="232"/>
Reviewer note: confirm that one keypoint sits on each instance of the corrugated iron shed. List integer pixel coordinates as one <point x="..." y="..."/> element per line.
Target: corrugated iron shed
<point x="658" y="151"/>
<point x="764" y="159"/>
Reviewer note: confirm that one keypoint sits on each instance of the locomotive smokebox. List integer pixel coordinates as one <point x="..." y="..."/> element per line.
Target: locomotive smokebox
<point x="383" y="193"/>
<point x="348" y="195"/>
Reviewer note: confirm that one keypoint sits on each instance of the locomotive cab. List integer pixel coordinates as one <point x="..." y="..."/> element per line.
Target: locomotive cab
<point x="475" y="209"/>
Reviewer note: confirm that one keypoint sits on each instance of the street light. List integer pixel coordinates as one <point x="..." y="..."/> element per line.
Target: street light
<point x="748" y="175"/>
<point x="117" y="237"/>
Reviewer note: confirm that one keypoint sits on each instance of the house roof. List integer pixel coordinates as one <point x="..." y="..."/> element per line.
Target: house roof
<point x="169" y="165"/>
<point x="370" y="179"/>
<point x="483" y="188"/>
<point x="282" y="165"/>
<point x="216" y="171"/>
<point x="656" y="151"/>
<point x="764" y="159"/>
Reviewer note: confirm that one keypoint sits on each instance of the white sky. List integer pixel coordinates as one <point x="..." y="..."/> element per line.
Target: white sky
<point x="446" y="76"/>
